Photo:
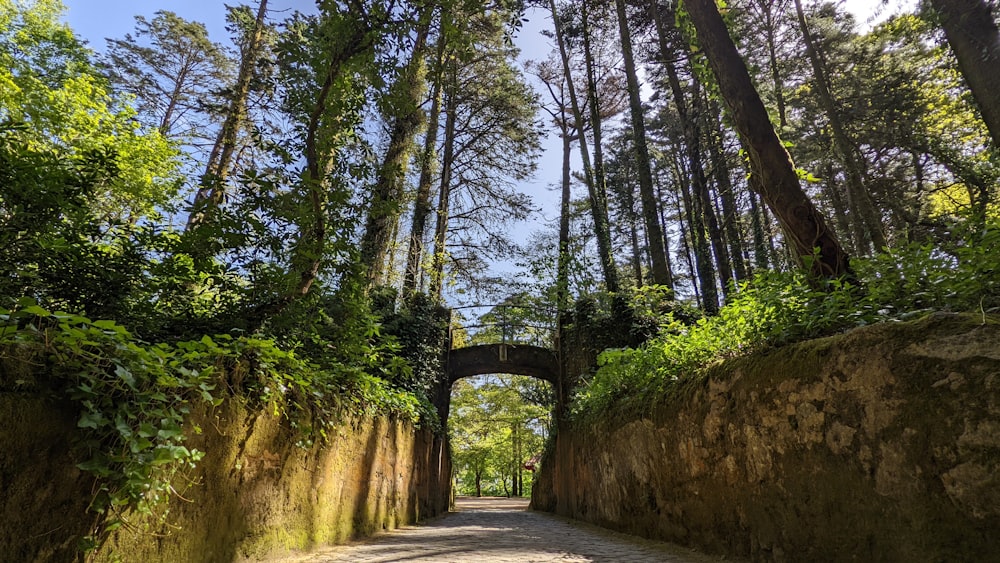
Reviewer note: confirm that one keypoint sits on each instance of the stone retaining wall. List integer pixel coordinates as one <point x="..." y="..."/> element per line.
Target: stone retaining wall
<point x="882" y="444"/>
<point x="254" y="495"/>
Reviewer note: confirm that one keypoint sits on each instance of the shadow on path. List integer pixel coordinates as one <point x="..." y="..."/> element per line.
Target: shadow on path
<point x="498" y="530"/>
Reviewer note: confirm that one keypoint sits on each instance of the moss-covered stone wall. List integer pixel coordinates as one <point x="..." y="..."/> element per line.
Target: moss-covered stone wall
<point x="255" y="494"/>
<point x="882" y="444"/>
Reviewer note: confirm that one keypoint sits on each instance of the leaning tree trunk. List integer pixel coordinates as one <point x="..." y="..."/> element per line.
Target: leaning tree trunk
<point x="974" y="37"/>
<point x="805" y="228"/>
<point x="650" y="215"/>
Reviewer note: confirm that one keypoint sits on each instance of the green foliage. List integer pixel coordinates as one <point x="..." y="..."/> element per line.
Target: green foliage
<point x="52" y="99"/>
<point x="420" y="329"/>
<point x="135" y="399"/>
<point x="494" y="429"/>
<point x="782" y="307"/>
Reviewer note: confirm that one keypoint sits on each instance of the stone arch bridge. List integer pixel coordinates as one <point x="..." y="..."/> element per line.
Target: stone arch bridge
<point x="517" y="359"/>
<point x="504" y="357"/>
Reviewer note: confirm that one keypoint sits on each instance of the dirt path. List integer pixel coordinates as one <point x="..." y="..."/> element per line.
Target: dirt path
<point x="495" y="530"/>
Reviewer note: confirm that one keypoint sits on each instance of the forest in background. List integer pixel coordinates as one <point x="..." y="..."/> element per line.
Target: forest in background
<point x="283" y="216"/>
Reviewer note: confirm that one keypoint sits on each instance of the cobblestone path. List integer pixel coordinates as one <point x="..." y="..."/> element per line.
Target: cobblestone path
<point x="503" y="530"/>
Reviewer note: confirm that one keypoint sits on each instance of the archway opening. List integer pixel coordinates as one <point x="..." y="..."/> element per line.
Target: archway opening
<point x="498" y="427"/>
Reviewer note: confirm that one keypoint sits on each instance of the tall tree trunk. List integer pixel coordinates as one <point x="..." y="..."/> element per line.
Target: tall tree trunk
<point x="444" y="190"/>
<point x="562" y="269"/>
<point x="730" y="213"/>
<point x="767" y="7"/>
<point x="661" y="273"/>
<point x="839" y="209"/>
<point x="707" y="204"/>
<point x="697" y="183"/>
<point x="633" y="219"/>
<point x="663" y="221"/>
<point x="212" y="188"/>
<point x="387" y="193"/>
<point x="805" y="229"/>
<point x="684" y="218"/>
<point x="974" y="37"/>
<point x="844" y="146"/>
<point x="598" y="206"/>
<point x="759" y="241"/>
<point x="602" y="226"/>
<point x="428" y="158"/>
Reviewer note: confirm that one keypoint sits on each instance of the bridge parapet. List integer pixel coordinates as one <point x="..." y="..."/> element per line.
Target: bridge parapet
<point x="508" y="323"/>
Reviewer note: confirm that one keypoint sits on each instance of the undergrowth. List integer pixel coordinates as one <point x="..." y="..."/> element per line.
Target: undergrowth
<point x="782" y="307"/>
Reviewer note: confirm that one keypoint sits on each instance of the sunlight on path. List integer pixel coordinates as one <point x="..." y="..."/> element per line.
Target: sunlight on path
<point x="503" y="530"/>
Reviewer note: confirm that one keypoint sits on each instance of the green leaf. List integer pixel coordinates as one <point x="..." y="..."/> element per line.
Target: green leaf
<point x="35" y="310"/>
<point x="125" y="375"/>
<point x="91" y="420"/>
